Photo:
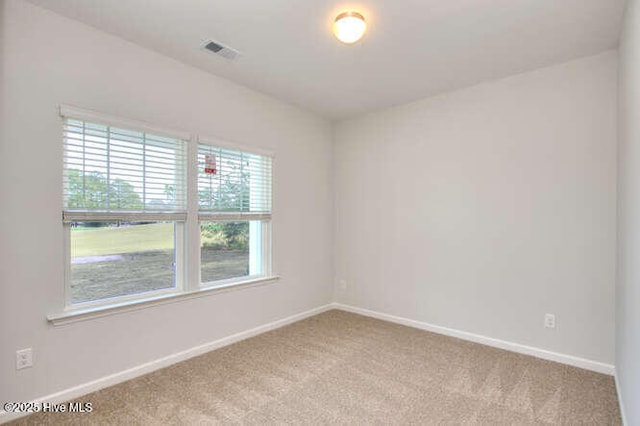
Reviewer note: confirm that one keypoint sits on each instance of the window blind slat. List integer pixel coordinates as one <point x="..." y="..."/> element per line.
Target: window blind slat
<point x="79" y="216"/>
<point x="232" y="216"/>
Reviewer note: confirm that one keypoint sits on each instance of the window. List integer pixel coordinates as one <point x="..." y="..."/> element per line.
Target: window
<point x="124" y="210"/>
<point x="134" y="220"/>
<point x="234" y="211"/>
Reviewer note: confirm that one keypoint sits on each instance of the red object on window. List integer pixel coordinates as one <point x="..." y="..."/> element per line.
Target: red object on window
<point x="210" y="164"/>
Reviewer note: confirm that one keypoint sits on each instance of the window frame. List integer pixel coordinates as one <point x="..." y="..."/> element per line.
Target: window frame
<point x="187" y="233"/>
<point x="264" y="218"/>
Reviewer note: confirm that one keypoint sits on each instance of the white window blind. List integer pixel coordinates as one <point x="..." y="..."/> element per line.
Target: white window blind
<point x="233" y="185"/>
<point x="112" y="172"/>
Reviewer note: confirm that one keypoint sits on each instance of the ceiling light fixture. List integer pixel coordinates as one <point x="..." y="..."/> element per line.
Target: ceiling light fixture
<point x="349" y="27"/>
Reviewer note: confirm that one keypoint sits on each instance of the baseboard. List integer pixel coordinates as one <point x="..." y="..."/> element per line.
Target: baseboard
<point x="95" y="385"/>
<point x="489" y="341"/>
<point x="620" y="399"/>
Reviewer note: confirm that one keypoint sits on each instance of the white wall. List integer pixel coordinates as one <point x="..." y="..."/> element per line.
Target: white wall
<point x="483" y="209"/>
<point x="49" y="60"/>
<point x="628" y="289"/>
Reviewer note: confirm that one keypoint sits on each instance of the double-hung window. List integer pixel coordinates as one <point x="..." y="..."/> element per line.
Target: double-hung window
<point x="151" y="213"/>
<point x="234" y="212"/>
<point x="124" y="211"/>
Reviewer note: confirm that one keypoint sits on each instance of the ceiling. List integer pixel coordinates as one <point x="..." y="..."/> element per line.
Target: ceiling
<point x="412" y="48"/>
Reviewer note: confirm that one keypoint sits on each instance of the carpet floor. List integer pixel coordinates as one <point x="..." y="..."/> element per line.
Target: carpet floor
<point x="339" y="367"/>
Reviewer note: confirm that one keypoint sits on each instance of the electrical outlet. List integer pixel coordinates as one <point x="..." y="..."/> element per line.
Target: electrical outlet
<point x="24" y="358"/>
<point x="342" y="284"/>
<point x="550" y="321"/>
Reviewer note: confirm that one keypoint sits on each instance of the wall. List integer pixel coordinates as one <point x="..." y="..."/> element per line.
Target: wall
<point x="48" y="60"/>
<point x="628" y="286"/>
<point x="483" y="209"/>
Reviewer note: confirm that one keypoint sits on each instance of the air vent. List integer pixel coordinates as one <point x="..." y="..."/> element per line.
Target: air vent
<point x="221" y="50"/>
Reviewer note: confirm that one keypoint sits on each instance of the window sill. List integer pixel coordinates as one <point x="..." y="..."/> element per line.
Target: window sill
<point x="76" y="315"/>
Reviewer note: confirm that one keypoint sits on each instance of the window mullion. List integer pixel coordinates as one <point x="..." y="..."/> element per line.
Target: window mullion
<point x="192" y="281"/>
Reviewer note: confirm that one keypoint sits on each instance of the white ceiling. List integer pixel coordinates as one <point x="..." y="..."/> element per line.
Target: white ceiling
<point x="412" y="49"/>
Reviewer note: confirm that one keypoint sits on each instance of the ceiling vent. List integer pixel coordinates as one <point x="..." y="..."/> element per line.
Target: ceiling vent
<point x="221" y="50"/>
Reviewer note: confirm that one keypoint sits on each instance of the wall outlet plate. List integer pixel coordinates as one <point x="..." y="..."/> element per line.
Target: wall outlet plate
<point x="550" y="321"/>
<point x="24" y="358"/>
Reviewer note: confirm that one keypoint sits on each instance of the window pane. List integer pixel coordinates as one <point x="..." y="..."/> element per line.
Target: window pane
<point x="112" y="169"/>
<point x="230" y="180"/>
<point x="110" y="259"/>
<point x="225" y="250"/>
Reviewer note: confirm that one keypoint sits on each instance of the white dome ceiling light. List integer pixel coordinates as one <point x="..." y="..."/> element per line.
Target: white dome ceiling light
<point x="349" y="27"/>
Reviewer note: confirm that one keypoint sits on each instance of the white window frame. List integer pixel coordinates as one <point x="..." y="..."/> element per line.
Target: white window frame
<point x="265" y="220"/>
<point x="187" y="236"/>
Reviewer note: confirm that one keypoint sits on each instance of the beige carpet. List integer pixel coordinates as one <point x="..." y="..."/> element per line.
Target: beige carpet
<point x="339" y="367"/>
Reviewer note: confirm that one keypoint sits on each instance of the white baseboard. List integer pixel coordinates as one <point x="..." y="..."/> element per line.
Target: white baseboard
<point x="620" y="399"/>
<point x="157" y="364"/>
<point x="489" y="341"/>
